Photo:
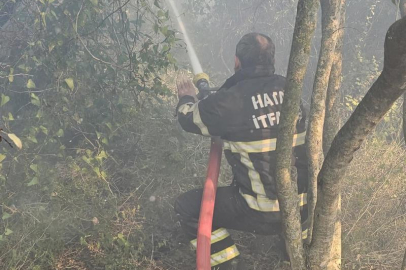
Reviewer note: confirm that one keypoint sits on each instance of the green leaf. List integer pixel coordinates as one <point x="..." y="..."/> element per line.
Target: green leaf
<point x="2" y="157"/>
<point x="70" y="83"/>
<point x="8" y="232"/>
<point x="34" y="96"/>
<point x="109" y="126"/>
<point x="87" y="160"/>
<point x="36" y="102"/>
<point x="43" y="17"/>
<point x="97" y="171"/>
<point x="94" y="2"/>
<point x="11" y="75"/>
<point x="33" y="182"/>
<point x="6" y="216"/>
<point x="4" y="99"/>
<point x="39" y="113"/>
<point x="1" y="238"/>
<point x="164" y="30"/>
<point x="34" y="167"/>
<point x="10" y="117"/>
<point x="102" y="155"/>
<point x="30" y="84"/>
<point x="60" y="133"/>
<point x="33" y="139"/>
<point x="83" y="241"/>
<point x="44" y="130"/>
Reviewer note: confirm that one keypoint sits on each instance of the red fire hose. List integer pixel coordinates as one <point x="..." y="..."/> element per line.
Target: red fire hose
<point x="207" y="207"/>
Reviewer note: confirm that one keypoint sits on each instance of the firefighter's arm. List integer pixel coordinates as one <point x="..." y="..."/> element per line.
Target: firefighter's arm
<point x="199" y="117"/>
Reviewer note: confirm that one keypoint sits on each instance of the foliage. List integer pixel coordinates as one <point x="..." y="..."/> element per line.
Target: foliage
<point x="75" y="76"/>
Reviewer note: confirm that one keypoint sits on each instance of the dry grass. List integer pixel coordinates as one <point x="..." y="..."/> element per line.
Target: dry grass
<point x="374" y="212"/>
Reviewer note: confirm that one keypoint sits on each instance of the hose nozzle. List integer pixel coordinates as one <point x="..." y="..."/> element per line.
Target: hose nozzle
<point x="201" y="81"/>
<point x="199" y="78"/>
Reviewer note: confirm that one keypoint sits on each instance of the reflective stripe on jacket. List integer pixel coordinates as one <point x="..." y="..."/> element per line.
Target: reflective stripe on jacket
<point x="245" y="113"/>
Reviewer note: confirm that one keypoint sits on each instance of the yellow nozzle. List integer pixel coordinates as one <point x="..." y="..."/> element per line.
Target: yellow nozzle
<point x="199" y="77"/>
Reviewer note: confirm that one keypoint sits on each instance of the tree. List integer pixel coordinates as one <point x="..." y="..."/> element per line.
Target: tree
<point x="314" y="137"/>
<point x="331" y="121"/>
<point x="402" y="8"/>
<point x="385" y="91"/>
<point x="331" y="126"/>
<point x="286" y="191"/>
<point x="379" y="99"/>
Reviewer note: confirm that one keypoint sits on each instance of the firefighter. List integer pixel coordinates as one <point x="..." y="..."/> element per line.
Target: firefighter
<point x="245" y="113"/>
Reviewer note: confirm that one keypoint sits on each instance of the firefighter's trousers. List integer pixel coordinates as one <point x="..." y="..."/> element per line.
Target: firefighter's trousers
<point x="230" y="212"/>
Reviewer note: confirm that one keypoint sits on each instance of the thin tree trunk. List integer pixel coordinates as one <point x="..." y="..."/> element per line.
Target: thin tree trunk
<point x="331" y="122"/>
<point x="330" y="25"/>
<point x="404" y="117"/>
<point x="305" y="26"/>
<point x="390" y="85"/>
<point x="404" y="262"/>
<point x="335" y="254"/>
<point x="331" y="127"/>
<point x="402" y="8"/>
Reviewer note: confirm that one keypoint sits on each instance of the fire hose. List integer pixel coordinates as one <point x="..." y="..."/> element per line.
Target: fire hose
<point x="203" y="252"/>
<point x="207" y="207"/>
<point x="201" y="80"/>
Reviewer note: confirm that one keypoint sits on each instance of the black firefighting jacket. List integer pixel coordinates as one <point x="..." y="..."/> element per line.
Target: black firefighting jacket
<point x="245" y="113"/>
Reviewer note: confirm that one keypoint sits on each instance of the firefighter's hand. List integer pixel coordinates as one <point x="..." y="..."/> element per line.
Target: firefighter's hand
<point x="185" y="87"/>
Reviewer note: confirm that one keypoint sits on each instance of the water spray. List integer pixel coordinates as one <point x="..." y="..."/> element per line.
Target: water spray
<point x="201" y="80"/>
<point x="197" y="68"/>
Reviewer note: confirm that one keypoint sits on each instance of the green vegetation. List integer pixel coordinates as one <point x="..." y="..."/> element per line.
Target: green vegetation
<point x="79" y="79"/>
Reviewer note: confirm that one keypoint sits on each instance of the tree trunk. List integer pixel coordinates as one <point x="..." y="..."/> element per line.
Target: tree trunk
<point x="402" y="8"/>
<point x="330" y="25"/>
<point x="404" y="262"/>
<point x="331" y="122"/>
<point x="335" y="254"/>
<point x="331" y="127"/>
<point x="385" y="91"/>
<point x="306" y="21"/>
